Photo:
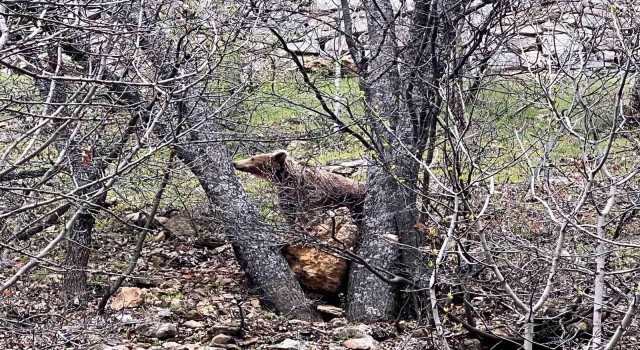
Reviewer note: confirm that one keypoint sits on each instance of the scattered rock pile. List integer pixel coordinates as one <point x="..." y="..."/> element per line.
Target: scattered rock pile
<point x="531" y="35"/>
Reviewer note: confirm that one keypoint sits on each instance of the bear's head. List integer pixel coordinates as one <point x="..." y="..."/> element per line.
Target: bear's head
<point x="268" y="165"/>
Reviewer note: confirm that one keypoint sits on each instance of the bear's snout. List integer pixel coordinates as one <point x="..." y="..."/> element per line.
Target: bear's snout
<point x="241" y="166"/>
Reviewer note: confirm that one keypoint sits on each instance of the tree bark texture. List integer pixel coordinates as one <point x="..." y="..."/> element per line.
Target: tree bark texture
<point x="390" y="202"/>
<point x="203" y="150"/>
<point x="253" y="241"/>
<point x="74" y="283"/>
<point x="403" y="104"/>
<point x="635" y="96"/>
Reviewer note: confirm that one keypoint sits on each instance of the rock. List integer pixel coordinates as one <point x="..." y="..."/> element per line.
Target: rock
<point x="318" y="270"/>
<point x="471" y="344"/>
<point x="315" y="269"/>
<point x="129" y="297"/>
<point x="124" y="318"/>
<point x="419" y="333"/>
<point x="331" y="310"/>
<point x="225" y="329"/>
<point x="140" y="219"/>
<point x="365" y="343"/>
<point x="344" y="333"/>
<point x="176" y="303"/>
<point x="380" y="333"/>
<point x="221" y="339"/>
<point x="160" y="330"/>
<point x="309" y="46"/>
<point x="163" y="313"/>
<point x="100" y="347"/>
<point x="255" y="303"/>
<point x="559" y="44"/>
<point x="171" y="345"/>
<point x="193" y="324"/>
<point x="289" y="344"/>
<point x="116" y="347"/>
<point x="505" y="61"/>
<point x="297" y="322"/>
<point x="173" y="284"/>
<point x="204" y="307"/>
<point x="339" y="322"/>
<point x="530" y="31"/>
<point x="336" y="47"/>
<point x="180" y="225"/>
<point x="193" y="315"/>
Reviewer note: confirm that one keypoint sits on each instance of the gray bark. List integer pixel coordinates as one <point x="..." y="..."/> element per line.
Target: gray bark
<point x="203" y="150"/>
<point x="390" y="203"/>
<point x="74" y="283"/>
<point x="635" y="96"/>
<point x="403" y="128"/>
<point x="253" y="241"/>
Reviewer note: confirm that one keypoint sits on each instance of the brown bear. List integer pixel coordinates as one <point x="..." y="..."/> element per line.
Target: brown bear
<point x="305" y="193"/>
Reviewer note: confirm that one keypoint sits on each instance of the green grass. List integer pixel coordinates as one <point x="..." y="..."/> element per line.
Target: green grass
<point x="503" y="107"/>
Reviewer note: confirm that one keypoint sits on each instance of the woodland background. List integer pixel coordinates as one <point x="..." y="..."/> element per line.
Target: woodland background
<point x="497" y="139"/>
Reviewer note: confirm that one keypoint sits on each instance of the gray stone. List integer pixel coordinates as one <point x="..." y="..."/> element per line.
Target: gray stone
<point x="193" y="324"/>
<point x="606" y="56"/>
<point x="164" y="313"/>
<point x="160" y="330"/>
<point x="307" y="47"/>
<point x="530" y="30"/>
<point x="359" y="22"/>
<point x="289" y="344"/>
<point x="124" y="318"/>
<point x="171" y="345"/>
<point x="523" y="44"/>
<point x="560" y="44"/>
<point x="505" y="60"/>
<point x="344" y="333"/>
<point x="336" y="47"/>
<point x="471" y="344"/>
<point x="533" y="58"/>
<point x="116" y="347"/>
<point x="221" y="339"/>
<point x="592" y="21"/>
<point x="339" y="322"/>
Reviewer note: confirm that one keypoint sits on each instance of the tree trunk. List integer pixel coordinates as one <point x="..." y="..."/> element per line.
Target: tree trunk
<point x="402" y="129"/>
<point x="74" y="283"/>
<point x="635" y="96"/>
<point x="390" y="203"/>
<point x="254" y="243"/>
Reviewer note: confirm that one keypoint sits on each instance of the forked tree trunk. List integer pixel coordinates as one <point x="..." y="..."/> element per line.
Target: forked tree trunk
<point x="203" y="150"/>
<point x="389" y="205"/>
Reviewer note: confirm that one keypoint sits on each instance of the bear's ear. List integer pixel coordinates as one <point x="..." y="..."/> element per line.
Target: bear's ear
<point x="279" y="156"/>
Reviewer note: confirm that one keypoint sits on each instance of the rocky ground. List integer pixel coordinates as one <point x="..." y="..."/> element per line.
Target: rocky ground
<point x="183" y="297"/>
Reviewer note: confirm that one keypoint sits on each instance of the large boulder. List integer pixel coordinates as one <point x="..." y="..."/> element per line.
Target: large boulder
<point x="316" y="268"/>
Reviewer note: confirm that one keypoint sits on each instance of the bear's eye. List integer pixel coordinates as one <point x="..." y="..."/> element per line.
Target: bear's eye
<point x="252" y="159"/>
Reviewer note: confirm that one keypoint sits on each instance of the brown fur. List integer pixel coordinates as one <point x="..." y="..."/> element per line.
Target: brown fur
<point x="304" y="193"/>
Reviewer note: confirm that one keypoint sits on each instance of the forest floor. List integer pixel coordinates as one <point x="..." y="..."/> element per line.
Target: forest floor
<point x="184" y="296"/>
